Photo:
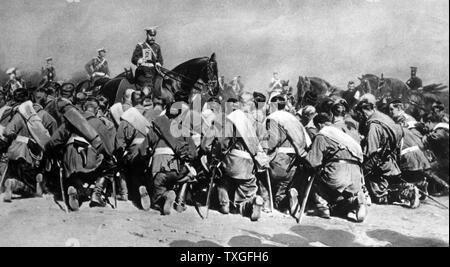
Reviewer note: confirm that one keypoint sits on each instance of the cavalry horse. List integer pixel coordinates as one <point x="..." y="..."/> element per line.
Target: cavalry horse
<point x="196" y="74"/>
<point x="319" y="86"/>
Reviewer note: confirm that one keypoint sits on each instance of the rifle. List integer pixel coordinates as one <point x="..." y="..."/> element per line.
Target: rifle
<point x="61" y="184"/>
<point x="269" y="185"/>
<point x="2" y="180"/>
<point x="301" y="209"/>
<point x="213" y="175"/>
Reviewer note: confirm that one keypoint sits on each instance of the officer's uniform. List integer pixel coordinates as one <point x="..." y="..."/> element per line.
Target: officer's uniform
<point x="146" y="56"/>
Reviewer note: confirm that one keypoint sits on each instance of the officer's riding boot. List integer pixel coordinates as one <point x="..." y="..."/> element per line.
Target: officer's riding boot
<point x="74" y="204"/>
<point x="169" y="199"/>
<point x="145" y="198"/>
<point x="96" y="198"/>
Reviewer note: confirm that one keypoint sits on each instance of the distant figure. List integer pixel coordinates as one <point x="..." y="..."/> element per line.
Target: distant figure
<point x="438" y="109"/>
<point x="14" y="82"/>
<point x="48" y="71"/>
<point x="275" y="83"/>
<point x="222" y="82"/>
<point x="414" y="82"/>
<point x="97" y="68"/>
<point x="237" y="85"/>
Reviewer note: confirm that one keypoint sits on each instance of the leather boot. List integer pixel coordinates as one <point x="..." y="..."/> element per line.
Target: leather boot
<point x="359" y="206"/>
<point x="145" y="198"/>
<point x="9" y="185"/>
<point x="224" y="202"/>
<point x="169" y="199"/>
<point x="180" y="205"/>
<point x="253" y="208"/>
<point x="74" y="204"/>
<point x="39" y="184"/>
<point x="123" y="189"/>
<point x="13" y="186"/>
<point x="96" y="197"/>
<point x="293" y="201"/>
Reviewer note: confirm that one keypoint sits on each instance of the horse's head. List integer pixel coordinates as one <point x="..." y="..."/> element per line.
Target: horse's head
<point x="304" y="84"/>
<point x="210" y="75"/>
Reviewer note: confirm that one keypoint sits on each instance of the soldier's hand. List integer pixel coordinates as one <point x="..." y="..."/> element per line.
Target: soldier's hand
<point x="140" y="61"/>
<point x="158" y="65"/>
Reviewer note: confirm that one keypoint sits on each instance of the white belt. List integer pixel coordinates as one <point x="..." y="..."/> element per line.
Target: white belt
<point x="72" y="140"/>
<point x="163" y="151"/>
<point x="409" y="149"/>
<point x="22" y="139"/>
<point x="286" y="150"/>
<point x="138" y="141"/>
<point x="150" y="65"/>
<point x="240" y="154"/>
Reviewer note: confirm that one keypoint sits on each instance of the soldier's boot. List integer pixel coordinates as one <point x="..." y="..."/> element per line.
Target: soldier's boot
<point x="96" y="197"/>
<point x="180" y="205"/>
<point x="252" y="208"/>
<point x="423" y="186"/>
<point x="360" y="207"/>
<point x="145" y="198"/>
<point x="405" y="193"/>
<point x="224" y="207"/>
<point x="9" y="185"/>
<point x="322" y="207"/>
<point x="293" y="201"/>
<point x="39" y="185"/>
<point x="74" y="204"/>
<point x="169" y="200"/>
<point x="123" y="190"/>
<point x="13" y="185"/>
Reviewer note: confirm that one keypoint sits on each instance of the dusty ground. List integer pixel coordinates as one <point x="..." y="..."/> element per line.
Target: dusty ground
<point x="40" y="222"/>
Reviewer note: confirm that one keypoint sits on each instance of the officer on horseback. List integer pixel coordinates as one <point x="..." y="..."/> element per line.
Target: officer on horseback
<point x="97" y="68"/>
<point x="414" y="82"/>
<point x="48" y="71"/>
<point x="14" y="82"/>
<point x="148" y="58"/>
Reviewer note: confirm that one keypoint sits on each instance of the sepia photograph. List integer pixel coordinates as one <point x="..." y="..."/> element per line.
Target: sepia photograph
<point x="234" y="125"/>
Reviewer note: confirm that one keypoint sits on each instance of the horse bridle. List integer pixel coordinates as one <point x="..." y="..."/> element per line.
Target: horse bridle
<point x="212" y="78"/>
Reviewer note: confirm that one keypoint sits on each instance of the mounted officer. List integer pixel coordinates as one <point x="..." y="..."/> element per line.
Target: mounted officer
<point x="14" y="82"/>
<point x="48" y="71"/>
<point x="414" y="82"/>
<point x="147" y="57"/>
<point x="97" y="68"/>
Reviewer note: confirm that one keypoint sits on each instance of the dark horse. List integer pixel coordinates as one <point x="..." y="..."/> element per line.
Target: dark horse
<point x="319" y="86"/>
<point x="199" y="73"/>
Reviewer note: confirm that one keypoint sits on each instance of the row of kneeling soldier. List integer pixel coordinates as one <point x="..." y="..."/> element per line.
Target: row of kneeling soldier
<point x="251" y="159"/>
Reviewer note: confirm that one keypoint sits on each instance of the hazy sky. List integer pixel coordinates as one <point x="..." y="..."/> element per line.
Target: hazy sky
<point x="334" y="39"/>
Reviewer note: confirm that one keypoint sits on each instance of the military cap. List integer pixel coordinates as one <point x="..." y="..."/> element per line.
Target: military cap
<point x="310" y="97"/>
<point x="439" y="105"/>
<point x="48" y="59"/>
<point x="101" y="50"/>
<point x="340" y="102"/>
<point x="181" y="96"/>
<point x="413" y="68"/>
<point x="351" y="82"/>
<point x="158" y="101"/>
<point x="308" y="111"/>
<point x="278" y="99"/>
<point x="10" y="70"/>
<point x="214" y="99"/>
<point x="369" y="98"/>
<point x="20" y="95"/>
<point x="67" y="89"/>
<point x="151" y="30"/>
<point x="259" y="97"/>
